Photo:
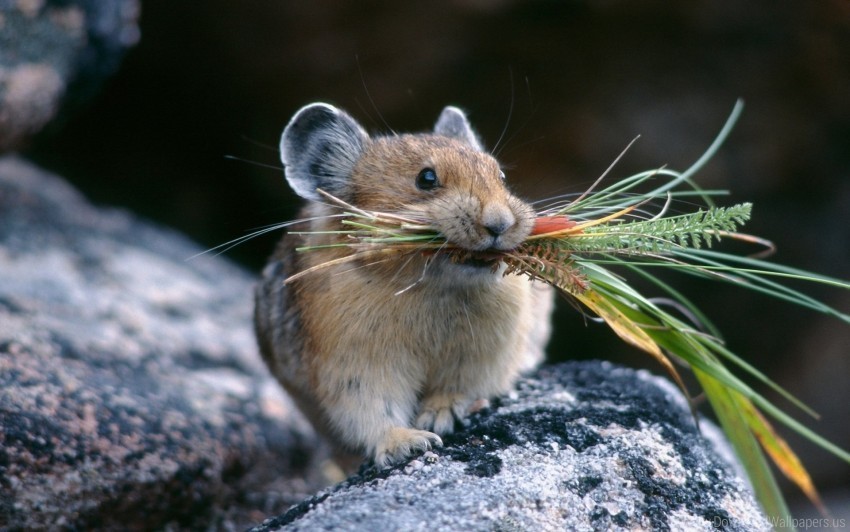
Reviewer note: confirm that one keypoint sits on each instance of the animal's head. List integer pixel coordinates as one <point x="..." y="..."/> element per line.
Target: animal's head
<point x="444" y="177"/>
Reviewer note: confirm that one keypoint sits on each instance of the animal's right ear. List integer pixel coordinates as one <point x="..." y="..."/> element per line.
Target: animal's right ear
<point x="319" y="148"/>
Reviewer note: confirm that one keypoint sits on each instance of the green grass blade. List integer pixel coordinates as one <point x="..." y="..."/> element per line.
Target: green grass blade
<point x="711" y="342"/>
<point x="746" y="446"/>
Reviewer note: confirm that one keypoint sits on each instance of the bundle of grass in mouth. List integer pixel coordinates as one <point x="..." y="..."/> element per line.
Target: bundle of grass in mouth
<point x="574" y="245"/>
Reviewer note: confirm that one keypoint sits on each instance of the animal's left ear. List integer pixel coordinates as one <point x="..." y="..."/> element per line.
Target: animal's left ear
<point x="453" y="123"/>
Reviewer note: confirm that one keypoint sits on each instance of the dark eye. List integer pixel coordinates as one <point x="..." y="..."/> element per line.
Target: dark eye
<point x="427" y="179"/>
<point x="502" y="175"/>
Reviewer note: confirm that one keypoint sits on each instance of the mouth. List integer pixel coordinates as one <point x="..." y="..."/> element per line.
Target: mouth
<point x="479" y="263"/>
<point x="476" y="259"/>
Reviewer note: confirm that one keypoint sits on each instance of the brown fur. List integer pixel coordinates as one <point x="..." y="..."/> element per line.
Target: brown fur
<point x="384" y="357"/>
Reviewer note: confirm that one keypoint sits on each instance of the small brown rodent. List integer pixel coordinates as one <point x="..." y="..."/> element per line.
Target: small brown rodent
<point x="383" y="357"/>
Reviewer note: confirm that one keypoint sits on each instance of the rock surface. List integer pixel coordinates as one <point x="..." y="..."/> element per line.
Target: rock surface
<point x="581" y="446"/>
<point x="131" y="391"/>
<point x="55" y="53"/>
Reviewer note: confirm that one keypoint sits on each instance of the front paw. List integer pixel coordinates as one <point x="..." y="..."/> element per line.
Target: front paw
<point x="439" y="412"/>
<point x="401" y="442"/>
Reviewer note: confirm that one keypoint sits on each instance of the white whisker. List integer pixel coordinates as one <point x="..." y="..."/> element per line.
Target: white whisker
<point x="416" y="282"/>
<point x="227" y="246"/>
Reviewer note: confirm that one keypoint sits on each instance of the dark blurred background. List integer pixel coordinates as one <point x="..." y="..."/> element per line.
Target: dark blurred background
<point x="564" y="84"/>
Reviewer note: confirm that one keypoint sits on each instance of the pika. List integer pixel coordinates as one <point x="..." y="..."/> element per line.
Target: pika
<point x="385" y="357"/>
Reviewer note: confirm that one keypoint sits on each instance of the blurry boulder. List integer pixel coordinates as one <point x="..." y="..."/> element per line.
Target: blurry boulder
<point x="131" y="390"/>
<point x="56" y="54"/>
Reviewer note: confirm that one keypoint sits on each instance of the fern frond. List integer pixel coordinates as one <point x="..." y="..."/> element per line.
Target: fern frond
<point x="661" y="235"/>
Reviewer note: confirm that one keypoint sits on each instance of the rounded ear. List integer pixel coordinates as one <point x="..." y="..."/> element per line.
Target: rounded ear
<point x="453" y="123"/>
<point x="319" y="148"/>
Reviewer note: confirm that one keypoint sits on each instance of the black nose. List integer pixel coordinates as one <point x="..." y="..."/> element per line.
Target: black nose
<point x="497" y="229"/>
<point x="496" y="218"/>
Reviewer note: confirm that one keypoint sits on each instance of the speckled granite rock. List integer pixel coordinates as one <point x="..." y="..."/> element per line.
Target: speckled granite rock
<point x="581" y="446"/>
<point x="54" y="53"/>
<point x="131" y="391"/>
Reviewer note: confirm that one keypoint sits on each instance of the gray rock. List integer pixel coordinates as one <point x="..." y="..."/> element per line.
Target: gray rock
<point x="131" y="391"/>
<point x="580" y="446"/>
<point x="54" y="54"/>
